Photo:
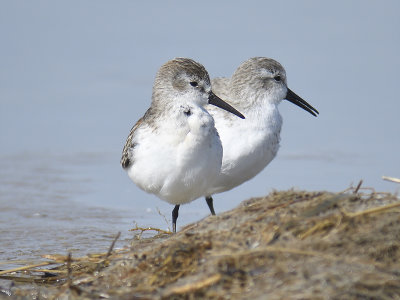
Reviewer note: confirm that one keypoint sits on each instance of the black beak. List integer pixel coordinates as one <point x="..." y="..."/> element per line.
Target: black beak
<point x="215" y="100"/>
<point x="292" y="97"/>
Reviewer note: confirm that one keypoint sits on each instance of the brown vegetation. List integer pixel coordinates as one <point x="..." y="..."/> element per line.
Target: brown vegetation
<point x="290" y="244"/>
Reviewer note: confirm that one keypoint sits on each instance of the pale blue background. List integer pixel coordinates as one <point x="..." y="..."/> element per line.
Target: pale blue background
<point x="76" y="75"/>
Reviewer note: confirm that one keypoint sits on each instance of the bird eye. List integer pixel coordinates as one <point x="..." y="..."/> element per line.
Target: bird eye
<point x="277" y="78"/>
<point x="194" y="83"/>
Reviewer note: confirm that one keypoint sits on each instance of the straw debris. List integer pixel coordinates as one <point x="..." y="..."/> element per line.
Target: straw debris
<point x="289" y="244"/>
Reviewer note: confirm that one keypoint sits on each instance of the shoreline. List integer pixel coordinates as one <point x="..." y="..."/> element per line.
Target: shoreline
<point x="288" y="244"/>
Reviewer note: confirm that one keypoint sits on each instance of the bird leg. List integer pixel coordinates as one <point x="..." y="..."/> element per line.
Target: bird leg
<point x="210" y="204"/>
<point x="175" y="213"/>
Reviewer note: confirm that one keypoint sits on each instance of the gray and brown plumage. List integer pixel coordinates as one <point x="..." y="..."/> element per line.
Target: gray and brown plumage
<point x="256" y="88"/>
<point x="174" y="150"/>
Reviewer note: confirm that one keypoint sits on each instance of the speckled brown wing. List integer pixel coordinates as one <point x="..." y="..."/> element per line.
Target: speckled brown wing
<point x="127" y="159"/>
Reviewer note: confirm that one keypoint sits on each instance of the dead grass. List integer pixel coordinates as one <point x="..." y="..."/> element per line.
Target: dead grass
<point x="290" y="244"/>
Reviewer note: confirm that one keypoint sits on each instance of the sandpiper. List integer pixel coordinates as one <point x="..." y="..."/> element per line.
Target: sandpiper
<point x="256" y="88"/>
<point x="174" y="150"/>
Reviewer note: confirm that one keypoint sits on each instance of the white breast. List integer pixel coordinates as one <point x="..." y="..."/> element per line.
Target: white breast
<point x="249" y="145"/>
<point x="181" y="159"/>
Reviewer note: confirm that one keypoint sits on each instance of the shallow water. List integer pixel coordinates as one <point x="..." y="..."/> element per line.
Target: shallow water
<point x="42" y="212"/>
<point x="70" y="92"/>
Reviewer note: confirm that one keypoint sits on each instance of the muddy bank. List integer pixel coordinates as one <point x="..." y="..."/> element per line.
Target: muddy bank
<point x="287" y="245"/>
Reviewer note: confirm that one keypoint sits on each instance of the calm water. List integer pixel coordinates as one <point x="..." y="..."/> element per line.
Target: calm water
<point x="74" y="77"/>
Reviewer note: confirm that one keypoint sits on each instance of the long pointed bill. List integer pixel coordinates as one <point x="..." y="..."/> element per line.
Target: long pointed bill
<point x="292" y="97"/>
<point x="215" y="100"/>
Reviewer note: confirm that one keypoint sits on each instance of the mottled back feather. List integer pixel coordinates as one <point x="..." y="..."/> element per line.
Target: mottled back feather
<point x="126" y="159"/>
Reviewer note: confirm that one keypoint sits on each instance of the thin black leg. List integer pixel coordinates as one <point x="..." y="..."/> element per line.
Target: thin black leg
<point x="175" y="213"/>
<point x="210" y="204"/>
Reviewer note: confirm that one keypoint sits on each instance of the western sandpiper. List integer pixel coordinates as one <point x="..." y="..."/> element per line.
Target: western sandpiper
<point x="174" y="150"/>
<point x="256" y="88"/>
